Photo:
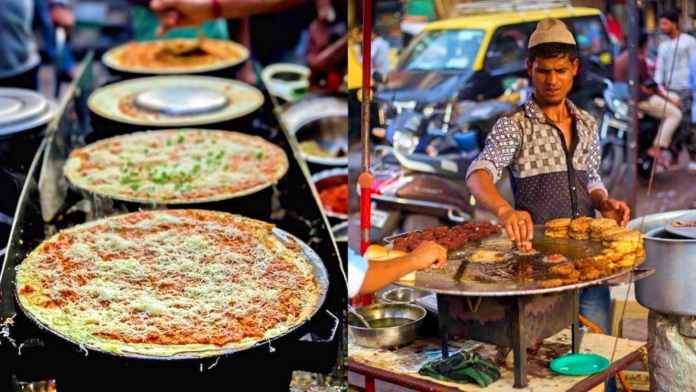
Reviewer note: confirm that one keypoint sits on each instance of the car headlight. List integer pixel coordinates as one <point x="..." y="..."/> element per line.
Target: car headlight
<point x="405" y="142"/>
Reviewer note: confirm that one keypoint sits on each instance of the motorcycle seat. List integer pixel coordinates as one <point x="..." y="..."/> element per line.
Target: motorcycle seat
<point x="451" y="166"/>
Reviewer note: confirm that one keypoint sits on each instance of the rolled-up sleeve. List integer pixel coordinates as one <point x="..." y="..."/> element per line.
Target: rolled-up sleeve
<point x="594" y="159"/>
<point x="501" y="146"/>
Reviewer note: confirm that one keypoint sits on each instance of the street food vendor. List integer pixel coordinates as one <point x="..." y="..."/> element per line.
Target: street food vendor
<point x="551" y="149"/>
<point x="367" y="276"/>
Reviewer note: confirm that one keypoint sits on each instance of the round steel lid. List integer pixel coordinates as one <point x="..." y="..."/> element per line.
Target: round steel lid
<point x="181" y="100"/>
<point x="20" y="105"/>
<point x="21" y="110"/>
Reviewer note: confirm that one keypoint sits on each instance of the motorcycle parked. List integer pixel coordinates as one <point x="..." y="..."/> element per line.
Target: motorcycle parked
<point x="415" y="191"/>
<point x="421" y="129"/>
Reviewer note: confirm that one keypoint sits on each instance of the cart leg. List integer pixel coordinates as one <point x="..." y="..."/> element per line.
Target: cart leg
<point x="576" y="322"/>
<point x="519" y="347"/>
<point x="443" y="327"/>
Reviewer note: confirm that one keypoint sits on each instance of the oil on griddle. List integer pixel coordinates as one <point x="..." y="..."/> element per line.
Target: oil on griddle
<point x="463" y="242"/>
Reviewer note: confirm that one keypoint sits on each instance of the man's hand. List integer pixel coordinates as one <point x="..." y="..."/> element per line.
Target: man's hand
<point x="62" y="17"/>
<point x="518" y="226"/>
<point x="181" y="13"/>
<point x="617" y="210"/>
<point x="429" y="255"/>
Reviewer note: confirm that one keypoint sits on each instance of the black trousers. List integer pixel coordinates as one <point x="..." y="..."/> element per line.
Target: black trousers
<point x="27" y="80"/>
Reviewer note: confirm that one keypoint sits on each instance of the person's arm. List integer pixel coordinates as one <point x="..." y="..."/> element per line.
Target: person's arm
<point x="381" y="274"/>
<point x="501" y="146"/>
<point x="692" y="72"/>
<point x="185" y="13"/>
<point x="660" y="66"/>
<point x="367" y="277"/>
<point x="599" y="196"/>
<point x="61" y="15"/>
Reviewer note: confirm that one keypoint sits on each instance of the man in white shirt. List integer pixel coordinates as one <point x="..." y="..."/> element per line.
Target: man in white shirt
<point x="380" y="54"/>
<point x="669" y="55"/>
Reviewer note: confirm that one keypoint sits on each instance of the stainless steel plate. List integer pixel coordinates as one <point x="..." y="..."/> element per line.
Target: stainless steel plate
<point x="22" y="110"/>
<point x="181" y="100"/>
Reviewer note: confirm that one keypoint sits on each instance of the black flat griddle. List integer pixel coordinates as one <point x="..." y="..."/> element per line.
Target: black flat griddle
<point x="319" y="273"/>
<point x="518" y="275"/>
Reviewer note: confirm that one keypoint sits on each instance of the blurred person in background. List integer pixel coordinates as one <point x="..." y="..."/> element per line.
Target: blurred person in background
<point x="616" y="31"/>
<point x="327" y="51"/>
<point x="50" y="15"/>
<point x="674" y="59"/>
<point x="652" y="101"/>
<point x="615" y="28"/>
<point x="288" y="20"/>
<point x="379" y="54"/>
<point x="19" y="54"/>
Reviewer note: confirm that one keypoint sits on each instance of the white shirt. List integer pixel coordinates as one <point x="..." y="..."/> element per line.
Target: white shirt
<point x="357" y="267"/>
<point x="665" y="58"/>
<point x="380" y="56"/>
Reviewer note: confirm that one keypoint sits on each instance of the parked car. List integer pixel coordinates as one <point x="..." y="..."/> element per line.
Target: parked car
<point x="475" y="57"/>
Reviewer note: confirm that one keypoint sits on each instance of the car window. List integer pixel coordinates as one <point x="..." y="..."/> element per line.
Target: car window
<point x="508" y="48"/>
<point x="590" y="34"/>
<point x="436" y="50"/>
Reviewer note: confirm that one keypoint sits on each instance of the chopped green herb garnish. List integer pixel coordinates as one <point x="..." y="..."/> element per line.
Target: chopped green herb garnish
<point x="134" y="187"/>
<point x="259" y="155"/>
<point x="130" y="164"/>
<point x="227" y="167"/>
<point x="220" y="155"/>
<point x="210" y="153"/>
<point x="180" y="139"/>
<point x="214" y="141"/>
<point x="145" y="151"/>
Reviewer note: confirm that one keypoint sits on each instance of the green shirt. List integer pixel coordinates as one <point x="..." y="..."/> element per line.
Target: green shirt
<point x="144" y="23"/>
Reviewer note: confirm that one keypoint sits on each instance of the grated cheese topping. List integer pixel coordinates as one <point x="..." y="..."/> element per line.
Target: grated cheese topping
<point x="177" y="166"/>
<point x="167" y="282"/>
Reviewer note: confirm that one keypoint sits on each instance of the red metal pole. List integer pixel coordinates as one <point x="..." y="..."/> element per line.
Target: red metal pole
<point x="365" y="180"/>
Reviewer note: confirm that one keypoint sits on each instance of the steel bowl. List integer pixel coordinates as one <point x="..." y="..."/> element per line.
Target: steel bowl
<point x="670" y="289"/>
<point x="389" y="336"/>
<point x="330" y="178"/>
<point x="331" y="133"/>
<point x="403" y="295"/>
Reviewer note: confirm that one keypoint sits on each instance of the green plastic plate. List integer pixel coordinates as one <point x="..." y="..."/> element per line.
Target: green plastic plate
<point x="579" y="364"/>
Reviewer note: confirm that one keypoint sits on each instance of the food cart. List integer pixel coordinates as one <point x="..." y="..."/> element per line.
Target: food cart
<point x="93" y="110"/>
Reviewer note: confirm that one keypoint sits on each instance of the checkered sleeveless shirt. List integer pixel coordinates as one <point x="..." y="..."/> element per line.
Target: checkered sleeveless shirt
<point x="548" y="181"/>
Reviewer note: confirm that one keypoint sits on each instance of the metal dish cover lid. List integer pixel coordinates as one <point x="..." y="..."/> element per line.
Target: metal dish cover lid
<point x="22" y="109"/>
<point x="181" y="100"/>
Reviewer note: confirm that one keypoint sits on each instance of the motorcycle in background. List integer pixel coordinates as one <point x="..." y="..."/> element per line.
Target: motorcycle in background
<point x="422" y="128"/>
<point x="415" y="191"/>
